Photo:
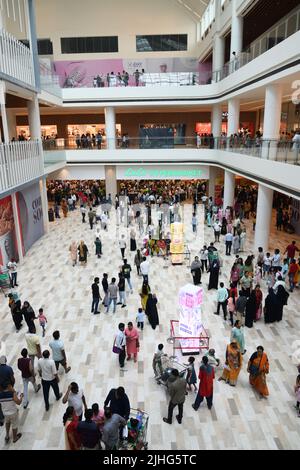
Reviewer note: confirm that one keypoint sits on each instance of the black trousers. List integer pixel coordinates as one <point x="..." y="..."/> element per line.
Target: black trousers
<point x="83" y="217"/>
<point x="224" y="307"/>
<point x="203" y="265"/>
<point x="91" y="223"/>
<point x="46" y="384"/>
<point x="217" y="236"/>
<point x="122" y="252"/>
<point x="171" y="408"/>
<point x="228" y="248"/>
<point x="122" y="356"/>
<point x="199" y="400"/>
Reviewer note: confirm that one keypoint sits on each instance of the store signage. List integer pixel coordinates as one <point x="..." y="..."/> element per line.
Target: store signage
<point x="163" y="173"/>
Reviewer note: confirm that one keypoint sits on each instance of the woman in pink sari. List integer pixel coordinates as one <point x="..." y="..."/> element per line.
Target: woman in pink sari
<point x="132" y="341"/>
<point x="259" y="298"/>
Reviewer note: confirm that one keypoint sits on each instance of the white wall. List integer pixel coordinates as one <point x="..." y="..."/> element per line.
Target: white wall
<point x="125" y="19"/>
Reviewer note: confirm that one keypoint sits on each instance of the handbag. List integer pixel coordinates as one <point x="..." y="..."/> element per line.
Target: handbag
<point x="137" y="343"/>
<point x="115" y="348"/>
<point x="253" y="370"/>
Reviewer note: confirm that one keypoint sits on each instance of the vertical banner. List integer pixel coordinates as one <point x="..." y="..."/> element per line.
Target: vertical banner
<point x="31" y="215"/>
<point x="295" y="217"/>
<point x="8" y="242"/>
<point x="190" y="320"/>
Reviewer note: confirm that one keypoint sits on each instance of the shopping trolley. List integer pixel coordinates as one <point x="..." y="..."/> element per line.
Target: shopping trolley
<point x="5" y="284"/>
<point x="137" y="428"/>
<point x="168" y="366"/>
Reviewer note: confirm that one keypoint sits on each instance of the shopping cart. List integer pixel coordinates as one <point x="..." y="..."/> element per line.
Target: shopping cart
<point x="137" y="428"/>
<point x="168" y="366"/>
<point x="5" y="284"/>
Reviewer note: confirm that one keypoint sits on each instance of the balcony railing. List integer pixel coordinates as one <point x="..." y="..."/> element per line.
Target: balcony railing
<point x="276" y="150"/>
<point x="15" y="59"/>
<point x="49" y="80"/>
<point x="287" y="26"/>
<point x="78" y="79"/>
<point x="20" y="162"/>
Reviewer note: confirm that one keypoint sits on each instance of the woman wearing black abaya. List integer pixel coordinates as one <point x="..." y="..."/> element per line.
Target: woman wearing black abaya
<point x="272" y="307"/>
<point x="151" y="310"/>
<point x="196" y="271"/>
<point x="282" y="298"/>
<point x="250" y="310"/>
<point x="214" y="274"/>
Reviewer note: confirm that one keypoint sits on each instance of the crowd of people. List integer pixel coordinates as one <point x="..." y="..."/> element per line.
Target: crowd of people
<point x="241" y="302"/>
<point x="113" y="79"/>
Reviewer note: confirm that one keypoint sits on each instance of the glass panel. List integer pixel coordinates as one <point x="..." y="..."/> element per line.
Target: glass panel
<point x="271" y="42"/>
<point x="281" y="32"/>
<point x="263" y="45"/>
<point x="256" y="49"/>
<point x="292" y="25"/>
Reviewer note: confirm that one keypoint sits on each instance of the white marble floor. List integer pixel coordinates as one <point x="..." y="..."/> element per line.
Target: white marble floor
<point x="238" y="420"/>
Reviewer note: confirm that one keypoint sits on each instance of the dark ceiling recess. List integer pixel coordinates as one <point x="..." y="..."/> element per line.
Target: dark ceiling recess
<point x="263" y="16"/>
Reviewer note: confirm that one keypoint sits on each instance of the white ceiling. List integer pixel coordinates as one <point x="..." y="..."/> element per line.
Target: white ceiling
<point x="195" y="8"/>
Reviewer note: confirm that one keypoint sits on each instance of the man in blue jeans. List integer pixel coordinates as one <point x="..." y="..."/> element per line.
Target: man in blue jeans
<point x="96" y="296"/>
<point x="112" y="294"/>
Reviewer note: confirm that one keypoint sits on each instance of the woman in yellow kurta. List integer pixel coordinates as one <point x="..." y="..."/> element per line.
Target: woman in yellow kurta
<point x="144" y="294"/>
<point x="258" y="367"/>
<point x="233" y="364"/>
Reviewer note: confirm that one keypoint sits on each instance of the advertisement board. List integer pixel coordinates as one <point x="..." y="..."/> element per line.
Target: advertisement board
<point x="8" y="242"/>
<point x="30" y="215"/>
<point x="162" y="172"/>
<point x="190" y="318"/>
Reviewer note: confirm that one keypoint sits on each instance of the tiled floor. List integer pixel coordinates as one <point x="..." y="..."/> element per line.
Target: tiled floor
<point x="239" y="419"/>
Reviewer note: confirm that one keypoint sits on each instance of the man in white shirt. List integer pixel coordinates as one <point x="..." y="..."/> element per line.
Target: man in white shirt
<point x="122" y="245"/>
<point x="217" y="230"/>
<point x="48" y="373"/>
<point x="104" y="221"/>
<point x="13" y="271"/>
<point x="279" y="282"/>
<point x="145" y="267"/>
<point x="222" y="297"/>
<point x="120" y="342"/>
<point x="228" y="243"/>
<point x="75" y="397"/>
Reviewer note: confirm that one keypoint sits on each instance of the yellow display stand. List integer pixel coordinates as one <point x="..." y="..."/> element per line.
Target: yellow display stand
<point x="177" y="243"/>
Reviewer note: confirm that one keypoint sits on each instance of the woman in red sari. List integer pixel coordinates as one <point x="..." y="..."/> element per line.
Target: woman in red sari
<point x="132" y="341"/>
<point x="259" y="298"/>
<point x="72" y="438"/>
<point x="258" y="367"/>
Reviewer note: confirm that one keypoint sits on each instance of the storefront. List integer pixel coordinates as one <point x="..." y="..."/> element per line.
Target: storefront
<point x="48" y="131"/>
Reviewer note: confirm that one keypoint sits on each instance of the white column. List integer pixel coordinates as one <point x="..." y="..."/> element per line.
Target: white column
<point x="17" y="226"/>
<point x="216" y="121"/>
<point x="212" y="182"/>
<point x="229" y="184"/>
<point x="110" y="126"/>
<point x="272" y="119"/>
<point x="237" y="23"/>
<point x="34" y="118"/>
<point x="263" y="217"/>
<point x="11" y="123"/>
<point x="110" y="181"/>
<point x="3" y="113"/>
<point x="218" y="52"/>
<point x="43" y="192"/>
<point x="233" y="116"/>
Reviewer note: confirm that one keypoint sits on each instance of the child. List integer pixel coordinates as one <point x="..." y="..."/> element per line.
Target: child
<point x="140" y="318"/>
<point x="43" y="320"/>
<point x="157" y="360"/>
<point x="258" y="274"/>
<point x="191" y="378"/>
<point x="266" y="264"/>
<point x="270" y="279"/>
<point x="297" y="393"/>
<point x="285" y="268"/>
